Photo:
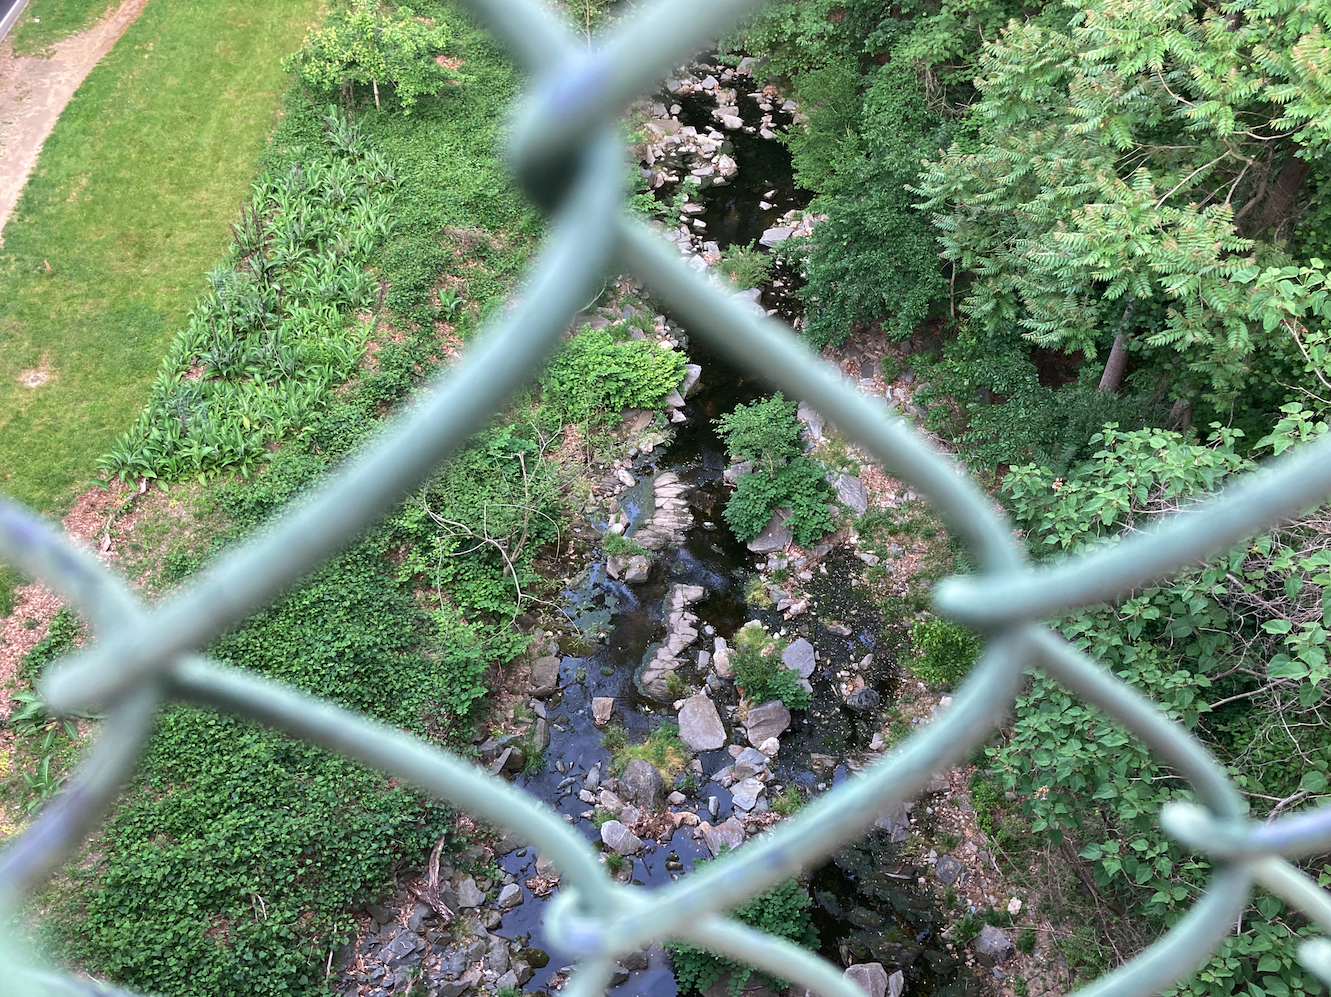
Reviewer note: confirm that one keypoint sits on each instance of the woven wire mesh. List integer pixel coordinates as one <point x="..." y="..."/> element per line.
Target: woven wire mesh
<point x="567" y="150"/>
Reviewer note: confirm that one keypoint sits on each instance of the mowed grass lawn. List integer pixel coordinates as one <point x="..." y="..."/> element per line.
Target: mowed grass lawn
<point x="127" y="211"/>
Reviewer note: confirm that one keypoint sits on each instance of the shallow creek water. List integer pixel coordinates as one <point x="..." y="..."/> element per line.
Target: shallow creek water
<point x="868" y="906"/>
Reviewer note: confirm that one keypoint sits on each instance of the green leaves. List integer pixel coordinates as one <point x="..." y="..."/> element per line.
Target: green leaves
<point x="602" y="370"/>
<point x="360" y="43"/>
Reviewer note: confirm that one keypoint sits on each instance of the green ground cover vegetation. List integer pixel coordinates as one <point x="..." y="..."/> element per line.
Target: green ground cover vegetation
<point x="45" y="22"/>
<point x="406" y="622"/>
<point x="125" y="213"/>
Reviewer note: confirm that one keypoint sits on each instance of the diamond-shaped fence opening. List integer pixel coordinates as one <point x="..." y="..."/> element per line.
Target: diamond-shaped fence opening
<point x="567" y="153"/>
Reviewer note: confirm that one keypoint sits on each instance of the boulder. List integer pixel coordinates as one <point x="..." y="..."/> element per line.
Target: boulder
<point x="768" y="720"/>
<point x="775" y="535"/>
<point x="545" y="676"/>
<point x="700" y="725"/>
<point x="641" y="784"/>
<point x="895" y="821"/>
<point x="798" y="656"/>
<point x="863" y="700"/>
<point x="510" y="896"/>
<point x="540" y="736"/>
<point x="632" y="569"/>
<point x="993" y="947"/>
<point x="812" y="419"/>
<point x="692" y="377"/>
<point x="469" y="894"/>
<point x="602" y="706"/>
<point x="774" y="235"/>
<point x="850" y="491"/>
<point x="896" y="983"/>
<point x="870" y="977"/>
<point x="745" y="794"/>
<point x="948" y="869"/>
<point x="619" y="838"/>
<point x="730" y="834"/>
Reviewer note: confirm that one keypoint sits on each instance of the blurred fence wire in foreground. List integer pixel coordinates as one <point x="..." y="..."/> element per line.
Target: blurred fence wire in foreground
<point x="567" y="151"/>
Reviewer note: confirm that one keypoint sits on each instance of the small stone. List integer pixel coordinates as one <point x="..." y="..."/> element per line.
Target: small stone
<point x="619" y="838"/>
<point x="770" y="747"/>
<point x="870" y="977"/>
<point x="626" y="477"/>
<point x="949" y="869"/>
<point x="677" y="798"/>
<point x="602" y="706"/>
<point x="510" y="896"/>
<point x="1014" y="906"/>
<point x="540" y="735"/>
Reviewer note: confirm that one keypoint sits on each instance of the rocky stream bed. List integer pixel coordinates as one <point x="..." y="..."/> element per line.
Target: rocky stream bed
<point x="477" y="923"/>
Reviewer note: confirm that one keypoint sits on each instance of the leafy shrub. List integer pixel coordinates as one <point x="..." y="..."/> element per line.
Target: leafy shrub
<point x="745" y="266"/>
<point x="598" y="371"/>
<point x="62" y="633"/>
<point x="766" y="433"/>
<point x="945" y="651"/>
<point x="760" y="672"/>
<point x="782" y="911"/>
<point x="361" y="44"/>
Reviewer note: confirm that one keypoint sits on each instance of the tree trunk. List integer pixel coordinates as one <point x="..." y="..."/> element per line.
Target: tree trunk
<point x="1280" y="200"/>
<point x="1180" y="416"/>
<point x="375" y="84"/>
<point x="1115" y="365"/>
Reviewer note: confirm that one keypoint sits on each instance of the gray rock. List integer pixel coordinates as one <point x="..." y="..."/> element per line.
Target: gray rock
<point x="635" y="960"/>
<point x="636" y="569"/>
<point x="775" y="535"/>
<point x="540" y="735"/>
<point x="895" y="821"/>
<point x="496" y="960"/>
<point x="452" y="988"/>
<point x="619" y="838"/>
<point x="510" y="896"/>
<point x="401" y="948"/>
<point x="745" y="794"/>
<point x="870" y="977"/>
<point x="508" y="980"/>
<point x="642" y="784"/>
<point x="381" y="915"/>
<point x="774" y="235"/>
<point x="896" y="983"/>
<point x="419" y="915"/>
<point x="850" y="491"/>
<point x="863" y="700"/>
<point x="700" y="725"/>
<point x="812" y="419"/>
<point x="799" y="657"/>
<point x="753" y="758"/>
<point x="692" y="376"/>
<point x="545" y="676"/>
<point x="602" y="707"/>
<point x="453" y="964"/>
<point x="730" y="833"/>
<point x="992" y="946"/>
<point x="949" y="869"/>
<point x="469" y="894"/>
<point x="768" y="720"/>
<point x="618" y="975"/>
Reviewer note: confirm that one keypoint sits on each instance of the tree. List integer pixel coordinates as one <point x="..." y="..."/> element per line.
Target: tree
<point x="363" y="44"/>
<point x="1124" y="166"/>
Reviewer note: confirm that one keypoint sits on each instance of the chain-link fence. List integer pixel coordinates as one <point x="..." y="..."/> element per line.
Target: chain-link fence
<point x="568" y="153"/>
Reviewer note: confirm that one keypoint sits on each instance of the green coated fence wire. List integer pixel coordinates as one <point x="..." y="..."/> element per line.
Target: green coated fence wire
<point x="567" y="151"/>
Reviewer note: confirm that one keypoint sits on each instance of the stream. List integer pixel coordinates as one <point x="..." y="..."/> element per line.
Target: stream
<point x="868" y="906"/>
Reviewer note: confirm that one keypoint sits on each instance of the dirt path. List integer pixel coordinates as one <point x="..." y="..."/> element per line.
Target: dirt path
<point x="33" y="92"/>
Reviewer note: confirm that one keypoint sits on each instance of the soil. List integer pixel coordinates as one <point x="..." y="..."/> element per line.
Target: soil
<point x="35" y="89"/>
